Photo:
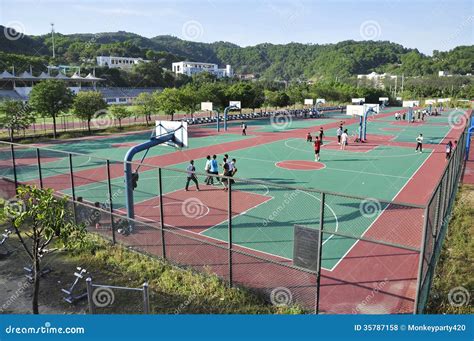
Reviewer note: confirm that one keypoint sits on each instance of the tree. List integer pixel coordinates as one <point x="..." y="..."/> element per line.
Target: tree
<point x="15" y="116"/>
<point x="168" y="101"/>
<point x="38" y="218"/>
<point x="146" y="105"/>
<point x="49" y="98"/>
<point x="119" y="112"/>
<point x="87" y="104"/>
<point x="276" y="98"/>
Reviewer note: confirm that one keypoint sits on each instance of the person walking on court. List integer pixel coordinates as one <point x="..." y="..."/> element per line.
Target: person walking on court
<point x="339" y="133"/>
<point x="449" y="148"/>
<point x="191" y="170"/>
<point x="309" y="138"/>
<point x="317" y="148"/>
<point x="214" y="168"/>
<point x="226" y="173"/>
<point x="344" y="138"/>
<point x="244" y="129"/>
<point x="419" y="143"/>
<point x="209" y="180"/>
<point x="321" y="135"/>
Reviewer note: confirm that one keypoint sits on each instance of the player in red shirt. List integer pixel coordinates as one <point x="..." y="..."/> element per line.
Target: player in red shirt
<point x="317" y="147"/>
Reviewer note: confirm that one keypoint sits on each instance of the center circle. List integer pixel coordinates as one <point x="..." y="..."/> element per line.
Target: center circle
<point x="300" y="165"/>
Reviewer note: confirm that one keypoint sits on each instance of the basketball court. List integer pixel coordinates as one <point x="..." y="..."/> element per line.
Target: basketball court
<point x="385" y="168"/>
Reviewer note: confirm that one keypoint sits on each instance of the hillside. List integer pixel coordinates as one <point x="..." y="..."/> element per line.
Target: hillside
<point x="284" y="62"/>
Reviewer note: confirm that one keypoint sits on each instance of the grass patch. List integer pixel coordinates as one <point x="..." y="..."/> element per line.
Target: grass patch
<point x="173" y="290"/>
<point x="455" y="267"/>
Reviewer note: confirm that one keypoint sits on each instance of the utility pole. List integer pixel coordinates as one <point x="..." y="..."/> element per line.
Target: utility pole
<point x="52" y="37"/>
<point x="403" y="79"/>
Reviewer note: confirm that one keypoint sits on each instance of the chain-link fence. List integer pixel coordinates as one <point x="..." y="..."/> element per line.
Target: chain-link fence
<point x="326" y="252"/>
<point x="438" y="214"/>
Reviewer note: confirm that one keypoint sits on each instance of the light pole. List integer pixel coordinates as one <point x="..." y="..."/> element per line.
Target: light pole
<point x="52" y="38"/>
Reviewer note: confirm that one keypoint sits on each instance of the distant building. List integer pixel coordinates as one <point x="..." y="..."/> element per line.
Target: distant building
<point x="443" y="74"/>
<point x="123" y="96"/>
<point x="376" y="78"/>
<point x="193" y="68"/>
<point x="119" y="62"/>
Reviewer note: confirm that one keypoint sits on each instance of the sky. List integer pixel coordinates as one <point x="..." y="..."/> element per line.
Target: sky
<point x="423" y="24"/>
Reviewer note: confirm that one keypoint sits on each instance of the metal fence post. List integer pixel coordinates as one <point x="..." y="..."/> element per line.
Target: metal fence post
<point x="229" y="225"/>
<point x="419" y="280"/>
<point x="90" y="300"/>
<point x="71" y="174"/>
<point x="146" y="299"/>
<point x="162" y="217"/>
<point x="111" y="209"/>
<point x="38" y="158"/>
<point x="320" y="251"/>
<point x="15" y="178"/>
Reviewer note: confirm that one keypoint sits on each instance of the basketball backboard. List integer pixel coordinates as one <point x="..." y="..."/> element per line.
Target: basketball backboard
<point x="180" y="129"/>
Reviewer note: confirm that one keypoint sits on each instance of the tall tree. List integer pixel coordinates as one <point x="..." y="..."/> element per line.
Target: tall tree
<point x="146" y="105"/>
<point x="15" y="116"/>
<point x="49" y="98"/>
<point x="119" y="112"/>
<point x="87" y="104"/>
<point x="168" y="101"/>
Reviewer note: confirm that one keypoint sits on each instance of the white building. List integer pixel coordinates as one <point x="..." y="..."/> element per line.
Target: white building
<point x="118" y="62"/>
<point x="192" y="68"/>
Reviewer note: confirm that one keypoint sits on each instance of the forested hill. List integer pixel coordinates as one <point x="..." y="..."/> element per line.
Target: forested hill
<point x="281" y="62"/>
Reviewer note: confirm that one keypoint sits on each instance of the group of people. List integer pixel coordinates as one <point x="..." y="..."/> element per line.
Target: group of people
<point x="418" y="115"/>
<point x="342" y="140"/>
<point x="212" y="170"/>
<point x="448" y="148"/>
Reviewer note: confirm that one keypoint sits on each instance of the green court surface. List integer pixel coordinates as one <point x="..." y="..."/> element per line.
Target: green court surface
<point x="379" y="173"/>
<point x="107" y="148"/>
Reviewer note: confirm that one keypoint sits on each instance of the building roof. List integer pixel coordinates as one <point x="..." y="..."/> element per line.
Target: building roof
<point x="6" y="75"/>
<point x="10" y="94"/>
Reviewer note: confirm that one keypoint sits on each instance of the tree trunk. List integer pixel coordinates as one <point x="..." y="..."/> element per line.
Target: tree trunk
<point x="146" y="118"/>
<point x="11" y="134"/>
<point x="36" y="274"/>
<point x="120" y="123"/>
<point x="89" y="126"/>
<point x="54" y="126"/>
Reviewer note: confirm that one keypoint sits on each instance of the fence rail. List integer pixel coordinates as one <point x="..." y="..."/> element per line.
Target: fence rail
<point x="365" y="262"/>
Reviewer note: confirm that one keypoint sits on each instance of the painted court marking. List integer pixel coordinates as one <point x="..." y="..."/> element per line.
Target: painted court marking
<point x="302" y="165"/>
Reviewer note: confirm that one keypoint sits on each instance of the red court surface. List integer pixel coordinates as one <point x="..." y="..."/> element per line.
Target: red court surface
<point x="300" y="165"/>
<point x="197" y="211"/>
